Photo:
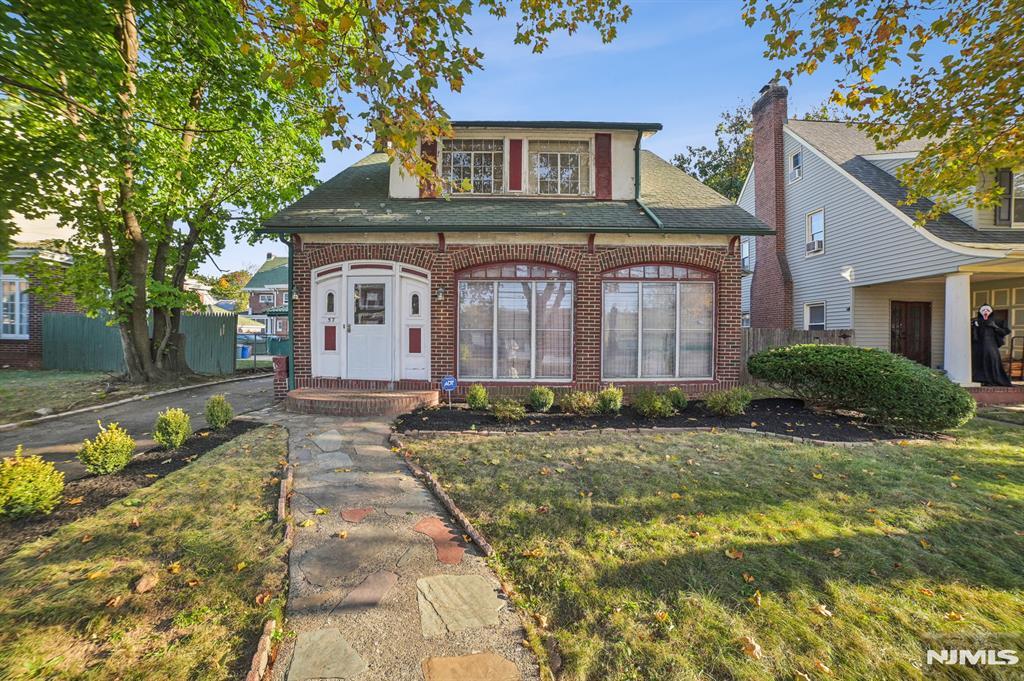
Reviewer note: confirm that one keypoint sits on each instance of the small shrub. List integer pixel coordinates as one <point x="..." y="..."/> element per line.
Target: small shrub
<point x="109" y="452"/>
<point x="888" y="389"/>
<point x="579" y="402"/>
<point x="541" y="398"/>
<point x="677" y="397"/>
<point x="609" y="400"/>
<point x="172" y="427"/>
<point x="653" y="405"/>
<point x="732" y="402"/>
<point x="476" y="397"/>
<point x="508" y="411"/>
<point x="28" y="485"/>
<point x="219" y="412"/>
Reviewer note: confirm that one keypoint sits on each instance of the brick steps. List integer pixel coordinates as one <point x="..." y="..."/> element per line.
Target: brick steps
<point x="357" y="402"/>
<point x="998" y="394"/>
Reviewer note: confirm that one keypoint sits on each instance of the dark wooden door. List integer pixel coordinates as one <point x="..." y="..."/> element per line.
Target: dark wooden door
<point x="910" y="332"/>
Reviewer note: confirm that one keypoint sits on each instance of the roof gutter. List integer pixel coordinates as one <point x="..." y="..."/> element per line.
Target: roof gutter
<point x="636" y="183"/>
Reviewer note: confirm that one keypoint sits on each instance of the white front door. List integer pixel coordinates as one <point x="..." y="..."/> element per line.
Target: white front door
<point x="369" y="328"/>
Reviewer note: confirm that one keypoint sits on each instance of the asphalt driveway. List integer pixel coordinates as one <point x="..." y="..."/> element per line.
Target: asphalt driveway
<point x="58" y="440"/>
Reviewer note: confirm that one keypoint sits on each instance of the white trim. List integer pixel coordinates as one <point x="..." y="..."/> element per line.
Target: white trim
<point x="894" y="156"/>
<point x="948" y="245"/>
<point x="824" y="315"/>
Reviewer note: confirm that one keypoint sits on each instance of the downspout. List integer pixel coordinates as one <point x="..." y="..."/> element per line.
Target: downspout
<point x="291" y="309"/>
<point x="636" y="174"/>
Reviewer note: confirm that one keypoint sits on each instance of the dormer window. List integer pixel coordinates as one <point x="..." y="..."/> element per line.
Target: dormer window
<point x="473" y="165"/>
<point x="559" y="167"/>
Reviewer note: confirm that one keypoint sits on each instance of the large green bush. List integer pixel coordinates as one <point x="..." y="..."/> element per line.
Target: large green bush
<point x="109" y="452"/>
<point x="28" y="485"/>
<point x="541" y="398"/>
<point x="476" y="396"/>
<point x="609" y="400"/>
<point x="219" y="412"/>
<point x="886" y="388"/>
<point x="172" y="427"/>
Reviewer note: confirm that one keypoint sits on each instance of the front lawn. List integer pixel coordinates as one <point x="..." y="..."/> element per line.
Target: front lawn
<point x="653" y="556"/>
<point x="24" y="391"/>
<point x="207" y="532"/>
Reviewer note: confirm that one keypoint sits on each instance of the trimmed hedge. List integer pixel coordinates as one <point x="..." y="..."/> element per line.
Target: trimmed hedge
<point x="109" y="452"/>
<point x="541" y="398"/>
<point x="653" y="405"/>
<point x="609" y="400"/>
<point x="28" y="485"/>
<point x="888" y="389"/>
<point x="172" y="427"/>
<point x="579" y="402"/>
<point x="732" y="402"/>
<point x="476" y="397"/>
<point x="508" y="411"/>
<point x="219" y="412"/>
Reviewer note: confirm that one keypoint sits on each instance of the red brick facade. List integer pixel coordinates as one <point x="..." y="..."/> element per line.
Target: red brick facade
<point x="771" y="289"/>
<point x="257" y="307"/>
<point x="29" y="353"/>
<point x="587" y="265"/>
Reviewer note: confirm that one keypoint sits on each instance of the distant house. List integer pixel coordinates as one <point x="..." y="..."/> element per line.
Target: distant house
<point x="268" y="294"/>
<point x="846" y="253"/>
<point x="21" y="312"/>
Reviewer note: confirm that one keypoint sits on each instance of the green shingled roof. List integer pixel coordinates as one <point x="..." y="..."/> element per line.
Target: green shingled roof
<point x="356" y="200"/>
<point x="273" y="272"/>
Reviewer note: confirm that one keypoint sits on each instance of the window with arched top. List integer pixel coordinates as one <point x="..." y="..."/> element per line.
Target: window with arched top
<point x="330" y="302"/>
<point x="414" y="305"/>
<point x="658" y="322"/>
<point x="515" y="322"/>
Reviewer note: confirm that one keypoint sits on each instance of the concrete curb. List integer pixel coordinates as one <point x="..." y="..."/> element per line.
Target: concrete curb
<point x="261" y="659"/>
<point x="659" y="430"/>
<point x="127" y="400"/>
<point x="443" y="497"/>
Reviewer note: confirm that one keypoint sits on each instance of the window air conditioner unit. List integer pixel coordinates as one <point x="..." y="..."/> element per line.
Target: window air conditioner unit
<point x="816" y="246"/>
<point x="794" y="174"/>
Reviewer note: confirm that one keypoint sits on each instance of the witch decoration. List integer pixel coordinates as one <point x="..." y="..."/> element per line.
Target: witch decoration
<point x="987" y="335"/>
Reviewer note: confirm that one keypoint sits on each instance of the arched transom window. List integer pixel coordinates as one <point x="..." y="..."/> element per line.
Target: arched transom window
<point x="658" y="322"/>
<point x="515" y="322"/>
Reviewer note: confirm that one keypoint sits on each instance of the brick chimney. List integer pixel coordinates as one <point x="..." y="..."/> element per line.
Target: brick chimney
<point x="771" y="290"/>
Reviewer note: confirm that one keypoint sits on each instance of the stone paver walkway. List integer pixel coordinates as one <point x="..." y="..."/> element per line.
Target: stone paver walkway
<point x="382" y="586"/>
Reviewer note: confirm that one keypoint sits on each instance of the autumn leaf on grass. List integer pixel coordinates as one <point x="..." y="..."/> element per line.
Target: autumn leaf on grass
<point x="152" y="476"/>
<point x="751" y="648"/>
<point x="836" y="552"/>
<point x="533" y="553"/>
<point x="801" y="676"/>
<point x="86" y="538"/>
<point x="756" y="599"/>
<point x="817" y="476"/>
<point x="925" y="544"/>
<point x="115" y="602"/>
<point x="74" y="501"/>
<point x="661" y="616"/>
<point x="926" y="592"/>
<point x="954" y="616"/>
<point x="240" y="565"/>
<point x="822" y="667"/>
<point x="735" y="554"/>
<point x="134" y="522"/>
<point x="174" y="568"/>
<point x="95" y="574"/>
<point x="262" y="598"/>
<point x="193" y="583"/>
<point x="343" y="534"/>
<point x="320" y="511"/>
<point x="306" y="523"/>
<point x="748" y="578"/>
<point x="822" y="610"/>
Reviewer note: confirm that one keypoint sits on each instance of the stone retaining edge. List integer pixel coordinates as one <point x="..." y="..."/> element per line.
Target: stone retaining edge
<point x="443" y="497"/>
<point x="261" y="658"/>
<point x="127" y="400"/>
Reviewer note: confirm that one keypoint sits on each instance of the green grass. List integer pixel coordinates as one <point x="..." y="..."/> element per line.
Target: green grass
<point x="616" y="544"/>
<point x="215" y="519"/>
<point x="1014" y="415"/>
<point x="23" y="391"/>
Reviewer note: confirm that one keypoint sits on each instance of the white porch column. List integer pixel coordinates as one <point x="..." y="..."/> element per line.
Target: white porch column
<point x="957" y="352"/>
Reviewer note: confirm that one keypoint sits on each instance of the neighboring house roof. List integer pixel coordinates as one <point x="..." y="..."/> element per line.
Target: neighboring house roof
<point x="846" y="146"/>
<point x="248" y="323"/>
<point x="277" y="311"/>
<point x="356" y="199"/>
<point x="273" y="272"/>
<point x="560" y="125"/>
<point x="229" y="305"/>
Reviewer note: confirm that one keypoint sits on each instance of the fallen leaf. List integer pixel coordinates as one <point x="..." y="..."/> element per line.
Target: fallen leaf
<point x="146" y="582"/>
<point x="343" y="534"/>
<point x="926" y="592"/>
<point x="800" y="676"/>
<point x="694" y="534"/>
<point x="86" y="538"/>
<point x="925" y="544"/>
<point x="817" y="476"/>
<point x="661" y="616"/>
<point x="262" y="598"/>
<point x="74" y="501"/>
<point x="306" y="523"/>
<point x="836" y="552"/>
<point x="822" y="610"/>
<point x="751" y="648"/>
<point x="954" y="616"/>
<point x="542" y="510"/>
<point x="134" y="522"/>
<point x="756" y="598"/>
<point x="320" y="511"/>
<point x="174" y="568"/>
<point x="735" y="554"/>
<point x="152" y="476"/>
<point x="241" y="565"/>
<point x="115" y="602"/>
<point x="676" y="496"/>
<point x="192" y="582"/>
<point x="95" y="574"/>
<point x="822" y="667"/>
<point x="748" y="578"/>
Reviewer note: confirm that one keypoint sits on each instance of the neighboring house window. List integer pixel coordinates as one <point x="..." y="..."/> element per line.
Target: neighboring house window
<point x="559" y="167"/>
<point x="796" y="166"/>
<point x="266" y="297"/>
<point x="816" y="232"/>
<point x="13" y="306"/>
<point x="658" y="321"/>
<point x="745" y="255"/>
<point x="472" y="165"/>
<point x="515" y="322"/>
<point x="745" y="320"/>
<point x="814" y="316"/>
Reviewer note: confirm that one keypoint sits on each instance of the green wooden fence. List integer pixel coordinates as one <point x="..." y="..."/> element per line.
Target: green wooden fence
<point x="74" y="342"/>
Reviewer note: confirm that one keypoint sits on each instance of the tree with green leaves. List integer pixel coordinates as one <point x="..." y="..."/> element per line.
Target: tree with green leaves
<point x="151" y="128"/>
<point x="723" y="167"/>
<point x="228" y="286"/>
<point x="946" y="72"/>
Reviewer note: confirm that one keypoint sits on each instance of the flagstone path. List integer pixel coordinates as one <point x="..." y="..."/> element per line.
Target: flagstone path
<point x="382" y="586"/>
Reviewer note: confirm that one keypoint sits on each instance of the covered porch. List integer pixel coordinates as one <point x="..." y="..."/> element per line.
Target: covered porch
<point x="929" y="320"/>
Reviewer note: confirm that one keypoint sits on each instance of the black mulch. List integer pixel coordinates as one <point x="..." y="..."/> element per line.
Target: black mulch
<point x="98" y="491"/>
<point x="776" y="415"/>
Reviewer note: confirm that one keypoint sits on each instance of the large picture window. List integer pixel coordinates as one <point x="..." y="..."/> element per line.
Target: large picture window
<point x="559" y="167"/>
<point x="473" y="165"/>
<point x="658" y="323"/>
<point x="13" y="306"/>
<point x="515" y="323"/>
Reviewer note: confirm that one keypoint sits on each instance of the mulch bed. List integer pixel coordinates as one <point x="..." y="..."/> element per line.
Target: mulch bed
<point x="775" y="415"/>
<point x="98" y="491"/>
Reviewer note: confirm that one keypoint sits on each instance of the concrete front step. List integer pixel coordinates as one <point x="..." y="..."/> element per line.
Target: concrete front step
<point x="357" y="402"/>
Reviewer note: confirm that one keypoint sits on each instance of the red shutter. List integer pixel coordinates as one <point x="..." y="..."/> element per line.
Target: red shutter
<point x="428" y="150"/>
<point x="415" y="340"/>
<point x="515" y="165"/>
<point x="1004" y="214"/>
<point x="330" y="338"/>
<point x="603" y="165"/>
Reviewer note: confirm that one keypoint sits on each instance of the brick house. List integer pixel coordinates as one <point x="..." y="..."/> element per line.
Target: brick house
<point x="21" y="312"/>
<point x="564" y="255"/>
<point x="268" y="295"/>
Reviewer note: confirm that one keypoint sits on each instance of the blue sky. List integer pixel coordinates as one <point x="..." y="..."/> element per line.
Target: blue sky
<point x="676" y="62"/>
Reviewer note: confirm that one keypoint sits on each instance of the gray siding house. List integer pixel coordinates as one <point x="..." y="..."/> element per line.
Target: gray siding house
<point x="847" y="255"/>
